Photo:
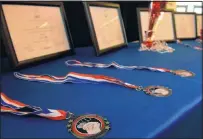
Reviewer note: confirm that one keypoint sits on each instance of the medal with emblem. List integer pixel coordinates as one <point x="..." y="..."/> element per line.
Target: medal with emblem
<point x="183" y="73"/>
<point x="158" y="91"/>
<point x="88" y="126"/>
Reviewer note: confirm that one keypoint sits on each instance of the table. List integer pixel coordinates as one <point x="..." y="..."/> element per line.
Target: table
<point x="132" y="114"/>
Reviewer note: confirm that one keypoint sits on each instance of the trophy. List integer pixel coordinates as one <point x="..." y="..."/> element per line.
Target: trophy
<point x="155" y="16"/>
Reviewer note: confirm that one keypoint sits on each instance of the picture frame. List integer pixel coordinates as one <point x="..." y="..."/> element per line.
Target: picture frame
<point x="167" y="23"/>
<point x="198" y="24"/>
<point x="107" y="34"/>
<point x="40" y="43"/>
<point x="188" y="31"/>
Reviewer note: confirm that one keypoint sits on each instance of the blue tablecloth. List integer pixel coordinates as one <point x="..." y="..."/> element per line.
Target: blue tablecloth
<point x="132" y="114"/>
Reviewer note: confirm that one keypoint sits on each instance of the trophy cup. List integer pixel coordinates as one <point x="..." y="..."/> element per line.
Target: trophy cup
<point x="155" y="16"/>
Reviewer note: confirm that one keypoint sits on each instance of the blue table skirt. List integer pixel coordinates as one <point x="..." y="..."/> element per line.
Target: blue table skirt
<point x="188" y="126"/>
<point x="132" y="114"/>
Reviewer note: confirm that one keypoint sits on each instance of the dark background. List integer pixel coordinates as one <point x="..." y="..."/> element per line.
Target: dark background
<point x="79" y="27"/>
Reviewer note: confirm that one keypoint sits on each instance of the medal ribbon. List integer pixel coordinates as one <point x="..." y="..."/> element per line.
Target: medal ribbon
<point x="74" y="77"/>
<point x="77" y="63"/>
<point x="15" y="107"/>
<point x="188" y="45"/>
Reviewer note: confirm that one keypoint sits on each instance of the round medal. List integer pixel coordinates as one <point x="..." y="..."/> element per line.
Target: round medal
<point x="183" y="73"/>
<point x="158" y="91"/>
<point x="88" y="126"/>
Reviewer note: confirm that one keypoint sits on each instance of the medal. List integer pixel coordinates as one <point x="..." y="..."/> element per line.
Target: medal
<point x="74" y="77"/>
<point x="76" y="63"/>
<point x="183" y="73"/>
<point x="86" y="126"/>
<point x="158" y="91"/>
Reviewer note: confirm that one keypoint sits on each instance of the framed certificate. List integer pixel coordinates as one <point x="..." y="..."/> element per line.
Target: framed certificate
<point x="185" y="25"/>
<point x="106" y="26"/>
<point x="35" y="31"/>
<point x="165" y="28"/>
<point x="199" y="24"/>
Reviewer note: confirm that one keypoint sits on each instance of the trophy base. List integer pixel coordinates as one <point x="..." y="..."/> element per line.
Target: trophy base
<point x="157" y="46"/>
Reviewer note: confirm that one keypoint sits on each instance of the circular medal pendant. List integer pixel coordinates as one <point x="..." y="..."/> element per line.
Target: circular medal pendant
<point x="183" y="73"/>
<point x="88" y="126"/>
<point x="158" y="91"/>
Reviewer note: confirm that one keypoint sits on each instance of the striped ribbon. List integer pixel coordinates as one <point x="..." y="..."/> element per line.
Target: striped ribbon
<point x="15" y="107"/>
<point x="74" y="77"/>
<point x="188" y="45"/>
<point x="77" y="63"/>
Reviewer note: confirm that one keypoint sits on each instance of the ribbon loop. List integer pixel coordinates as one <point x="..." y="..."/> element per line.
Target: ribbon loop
<point x="15" y="107"/>
<point x="74" y="77"/>
<point x="73" y="62"/>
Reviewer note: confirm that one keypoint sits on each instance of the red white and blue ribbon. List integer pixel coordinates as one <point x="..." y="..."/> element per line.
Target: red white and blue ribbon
<point x="74" y="77"/>
<point x="77" y="63"/>
<point x="18" y="108"/>
<point x="188" y="45"/>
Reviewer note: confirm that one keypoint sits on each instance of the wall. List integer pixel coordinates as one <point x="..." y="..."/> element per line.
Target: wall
<point x="190" y="4"/>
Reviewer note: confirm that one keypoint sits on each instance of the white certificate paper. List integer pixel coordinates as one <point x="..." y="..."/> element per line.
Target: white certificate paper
<point x="185" y="25"/>
<point x="35" y="30"/>
<point x="164" y="30"/>
<point x="107" y="26"/>
<point x="199" y="25"/>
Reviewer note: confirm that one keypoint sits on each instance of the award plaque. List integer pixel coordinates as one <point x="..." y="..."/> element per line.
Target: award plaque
<point x="185" y="25"/>
<point x="106" y="26"/>
<point x="199" y="24"/>
<point x="35" y="31"/>
<point x="164" y="30"/>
